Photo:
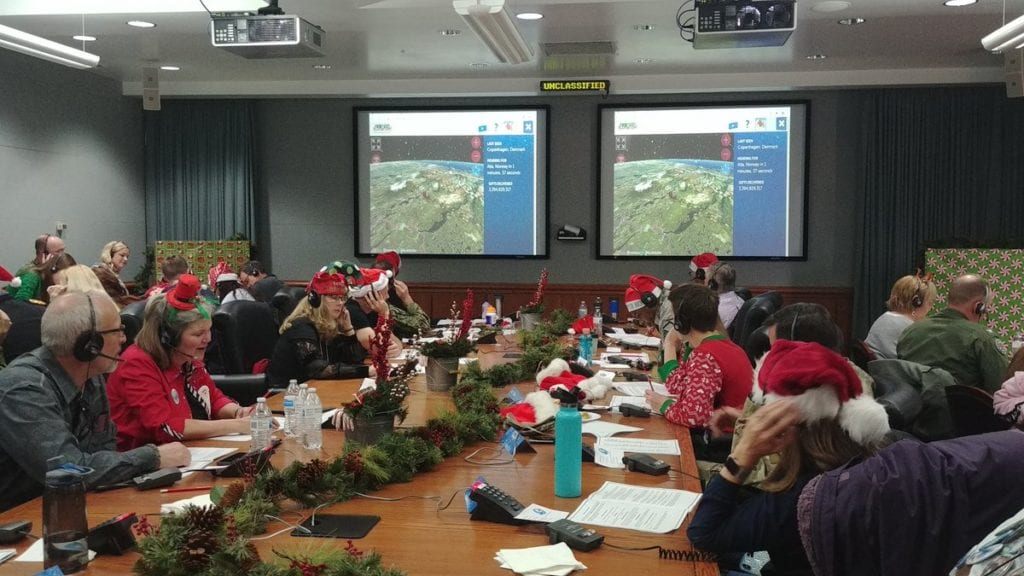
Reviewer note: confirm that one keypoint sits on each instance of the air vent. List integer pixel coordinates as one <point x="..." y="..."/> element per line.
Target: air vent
<point x="570" y="48"/>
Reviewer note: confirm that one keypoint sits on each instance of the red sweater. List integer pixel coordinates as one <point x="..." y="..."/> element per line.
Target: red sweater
<point x="718" y="373"/>
<point x="149" y="404"/>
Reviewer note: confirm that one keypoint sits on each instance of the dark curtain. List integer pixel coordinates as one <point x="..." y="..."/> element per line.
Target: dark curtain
<point x="200" y="172"/>
<point x="939" y="164"/>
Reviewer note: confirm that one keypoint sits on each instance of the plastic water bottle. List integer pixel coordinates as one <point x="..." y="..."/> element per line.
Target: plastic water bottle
<point x="497" y="307"/>
<point x="582" y="312"/>
<point x="483" y="310"/>
<point x="312" y="417"/>
<point x="299" y="429"/>
<point x="290" y="396"/>
<point x="586" y="348"/>
<point x="260" y="425"/>
<point x="598" y="317"/>
<point x="491" y="315"/>
<point x="568" y="452"/>
<point x="613" y="309"/>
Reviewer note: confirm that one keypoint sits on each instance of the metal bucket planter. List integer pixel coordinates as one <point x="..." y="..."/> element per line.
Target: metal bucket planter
<point x="442" y="373"/>
<point x="530" y="319"/>
<point x="368" y="430"/>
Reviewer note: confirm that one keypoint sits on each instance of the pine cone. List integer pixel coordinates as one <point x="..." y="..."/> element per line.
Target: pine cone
<point x="232" y="495"/>
<point x="252" y="560"/>
<point x="204" y="519"/>
<point x="311" y="474"/>
<point x="199" y="546"/>
<point x="354" y="463"/>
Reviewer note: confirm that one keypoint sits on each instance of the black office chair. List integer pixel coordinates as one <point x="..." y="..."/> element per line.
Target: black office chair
<point x="972" y="412"/>
<point x="892" y="379"/>
<point x="285" y="300"/>
<point x="245" y="333"/>
<point x="752" y="314"/>
<point x="757" y="344"/>
<point x="861" y="354"/>
<point x="131" y="317"/>
<point x="744" y="293"/>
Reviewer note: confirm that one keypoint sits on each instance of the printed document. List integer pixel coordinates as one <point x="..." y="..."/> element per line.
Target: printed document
<point x="657" y="510"/>
<point x="644" y="445"/>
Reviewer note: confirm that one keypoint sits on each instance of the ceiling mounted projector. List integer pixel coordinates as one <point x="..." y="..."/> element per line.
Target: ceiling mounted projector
<point x="743" y="24"/>
<point x="267" y="36"/>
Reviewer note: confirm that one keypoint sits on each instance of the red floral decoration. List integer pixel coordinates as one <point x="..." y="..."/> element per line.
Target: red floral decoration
<point x="379" y="345"/>
<point x="536" y="305"/>
<point x="467" y="315"/>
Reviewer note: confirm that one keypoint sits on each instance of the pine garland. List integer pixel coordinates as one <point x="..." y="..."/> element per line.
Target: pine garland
<point x="213" y="541"/>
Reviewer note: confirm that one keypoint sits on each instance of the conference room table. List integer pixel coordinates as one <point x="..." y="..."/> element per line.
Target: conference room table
<point x="416" y="534"/>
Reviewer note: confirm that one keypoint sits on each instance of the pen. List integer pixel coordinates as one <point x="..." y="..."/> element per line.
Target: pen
<point x="651" y="384"/>
<point x="184" y="489"/>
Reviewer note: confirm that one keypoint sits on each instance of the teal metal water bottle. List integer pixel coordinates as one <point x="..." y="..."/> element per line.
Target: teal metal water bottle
<point x="568" y="452"/>
<point x="586" y="348"/>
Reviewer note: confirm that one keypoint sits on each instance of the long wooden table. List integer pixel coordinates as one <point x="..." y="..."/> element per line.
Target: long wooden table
<point x="412" y="534"/>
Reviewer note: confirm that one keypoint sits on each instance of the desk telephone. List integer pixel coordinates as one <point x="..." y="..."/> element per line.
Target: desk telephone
<point x="494" y="505"/>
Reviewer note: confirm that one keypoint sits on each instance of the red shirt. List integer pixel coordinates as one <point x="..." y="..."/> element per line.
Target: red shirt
<point x="149" y="405"/>
<point x="718" y="373"/>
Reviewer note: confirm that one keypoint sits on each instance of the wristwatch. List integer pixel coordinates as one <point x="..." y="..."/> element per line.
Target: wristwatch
<point x="734" y="468"/>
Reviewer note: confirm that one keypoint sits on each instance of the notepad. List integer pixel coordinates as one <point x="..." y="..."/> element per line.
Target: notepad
<point x="616" y="505"/>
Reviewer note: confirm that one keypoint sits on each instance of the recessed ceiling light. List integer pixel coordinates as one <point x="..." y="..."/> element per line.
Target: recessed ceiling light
<point x="321" y="66"/>
<point x="140" y="24"/>
<point x="830" y="6"/>
<point x="852" y="21"/>
<point x="449" y="32"/>
<point x="817" y="57"/>
<point x="529" y="15"/>
<point x="84" y="38"/>
<point x="959" y="2"/>
<point x="643" y="60"/>
<point x="170" y="68"/>
<point x="643" y="27"/>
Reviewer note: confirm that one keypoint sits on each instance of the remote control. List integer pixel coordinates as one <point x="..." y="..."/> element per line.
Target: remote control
<point x="574" y="535"/>
<point x="634" y="410"/>
<point x="645" y="463"/>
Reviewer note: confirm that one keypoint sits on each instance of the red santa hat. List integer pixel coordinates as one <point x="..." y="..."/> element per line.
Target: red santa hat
<point x="644" y="290"/>
<point x="581" y="324"/>
<point x="328" y="284"/>
<point x="824" y="386"/>
<point x="216" y="271"/>
<point x="390" y="261"/>
<point x="557" y="375"/>
<point x="702" y="261"/>
<point x="5" y="276"/>
<point x="537" y="407"/>
<point x="371" y="279"/>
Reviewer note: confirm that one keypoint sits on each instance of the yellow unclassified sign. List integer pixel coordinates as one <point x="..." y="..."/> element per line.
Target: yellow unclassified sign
<point x="575" y="86"/>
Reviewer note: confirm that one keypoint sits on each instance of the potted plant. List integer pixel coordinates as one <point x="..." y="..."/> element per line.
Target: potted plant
<point x="531" y="313"/>
<point x="373" y="412"/>
<point x="443" y="354"/>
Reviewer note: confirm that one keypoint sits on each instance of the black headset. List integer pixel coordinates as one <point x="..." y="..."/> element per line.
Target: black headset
<point x="313" y="297"/>
<point x="168" y="339"/>
<point x="712" y="283"/>
<point x="980" y="308"/>
<point x="681" y="323"/>
<point x="699" y="274"/>
<point x="89" y="344"/>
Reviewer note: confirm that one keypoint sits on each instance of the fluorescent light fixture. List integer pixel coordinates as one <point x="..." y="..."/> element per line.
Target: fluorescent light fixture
<point x="491" y="22"/>
<point x="83" y="38"/>
<point x="1010" y="35"/>
<point x="170" y="68"/>
<point x="140" y="24"/>
<point x="46" y="49"/>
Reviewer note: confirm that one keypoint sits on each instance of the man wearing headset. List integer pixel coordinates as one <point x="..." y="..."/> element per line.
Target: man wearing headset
<point x="955" y="339"/>
<point x="53" y="402"/>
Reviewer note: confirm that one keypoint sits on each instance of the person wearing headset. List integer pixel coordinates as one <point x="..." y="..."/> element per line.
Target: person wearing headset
<point x="955" y="339"/>
<point x="318" y="340"/>
<point x="162" y="392"/>
<point x="53" y="403"/>
<point x="27" y="283"/>
<point x="910" y="300"/>
<point x="647" y="296"/>
<point x="722" y="280"/>
<point x="703" y="368"/>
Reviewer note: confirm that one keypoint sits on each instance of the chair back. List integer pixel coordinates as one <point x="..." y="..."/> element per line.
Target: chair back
<point x="246" y="332"/>
<point x="752" y="314"/>
<point x="744" y="293"/>
<point x="914" y="396"/>
<point x="757" y="344"/>
<point x="861" y="354"/>
<point x="131" y="317"/>
<point x="972" y="411"/>
<point x="285" y="300"/>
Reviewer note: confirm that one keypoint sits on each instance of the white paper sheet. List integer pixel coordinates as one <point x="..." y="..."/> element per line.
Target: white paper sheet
<point x="246" y="437"/>
<point x="34" y="553"/>
<point x="554" y="560"/>
<point x="643" y="445"/>
<point x="538" y="513"/>
<point x="636" y="340"/>
<point x="657" y="510"/>
<point x="608" y="458"/>
<point x="203" y="456"/>
<point x="602" y="428"/>
<point x="640" y="388"/>
<point x="617" y="401"/>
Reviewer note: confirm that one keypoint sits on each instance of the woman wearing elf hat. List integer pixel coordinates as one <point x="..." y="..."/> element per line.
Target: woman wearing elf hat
<point x="818" y="419"/>
<point x="410" y="319"/>
<point x="317" y="339"/>
<point x="161" y="391"/>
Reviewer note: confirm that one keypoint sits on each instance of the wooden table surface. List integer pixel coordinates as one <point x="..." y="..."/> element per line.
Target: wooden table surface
<point x="413" y="535"/>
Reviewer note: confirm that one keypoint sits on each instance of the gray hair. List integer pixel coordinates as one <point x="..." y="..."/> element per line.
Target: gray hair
<point x="69" y="316"/>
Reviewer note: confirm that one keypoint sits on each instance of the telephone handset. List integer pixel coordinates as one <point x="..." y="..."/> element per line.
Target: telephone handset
<point x="494" y="505"/>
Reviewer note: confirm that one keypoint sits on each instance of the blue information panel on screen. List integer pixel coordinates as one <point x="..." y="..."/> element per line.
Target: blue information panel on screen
<point x="508" y="194"/>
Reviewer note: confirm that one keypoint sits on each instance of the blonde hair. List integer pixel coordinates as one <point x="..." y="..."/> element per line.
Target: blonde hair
<point x="820" y="446"/>
<point x="904" y="291"/>
<point x="111" y="248"/>
<point x="79" y="278"/>
<point x="326" y="326"/>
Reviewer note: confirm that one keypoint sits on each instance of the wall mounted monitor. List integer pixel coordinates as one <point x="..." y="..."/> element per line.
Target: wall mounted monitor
<point x="680" y="180"/>
<point x="452" y="182"/>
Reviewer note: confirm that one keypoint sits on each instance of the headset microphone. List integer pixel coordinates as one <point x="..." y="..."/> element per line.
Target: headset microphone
<point x="189" y="356"/>
<point x="108" y="357"/>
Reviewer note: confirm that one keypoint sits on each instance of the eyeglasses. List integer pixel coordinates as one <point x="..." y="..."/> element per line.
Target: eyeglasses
<point x="111" y="331"/>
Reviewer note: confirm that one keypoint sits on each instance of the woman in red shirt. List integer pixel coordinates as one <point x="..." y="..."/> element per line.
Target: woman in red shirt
<point x="713" y="371"/>
<point x="161" y="391"/>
